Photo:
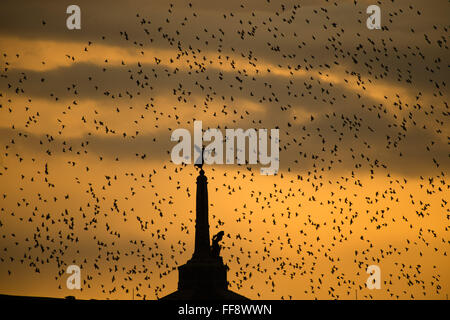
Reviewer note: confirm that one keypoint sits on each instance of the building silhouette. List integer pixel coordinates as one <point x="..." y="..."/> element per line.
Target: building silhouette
<point x="204" y="276"/>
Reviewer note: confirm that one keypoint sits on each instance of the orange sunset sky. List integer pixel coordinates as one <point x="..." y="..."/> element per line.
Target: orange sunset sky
<point x="86" y="118"/>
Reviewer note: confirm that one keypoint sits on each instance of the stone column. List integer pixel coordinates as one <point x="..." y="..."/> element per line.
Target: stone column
<point x="202" y="245"/>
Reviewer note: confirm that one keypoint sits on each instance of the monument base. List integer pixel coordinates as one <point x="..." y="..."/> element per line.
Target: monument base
<point x="203" y="274"/>
<point x="204" y="279"/>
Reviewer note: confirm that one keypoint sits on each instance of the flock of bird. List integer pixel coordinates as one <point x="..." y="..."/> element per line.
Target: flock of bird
<point x="363" y="153"/>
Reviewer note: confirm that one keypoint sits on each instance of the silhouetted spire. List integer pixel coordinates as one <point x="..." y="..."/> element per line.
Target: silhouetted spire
<point x="205" y="275"/>
<point x="202" y="246"/>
